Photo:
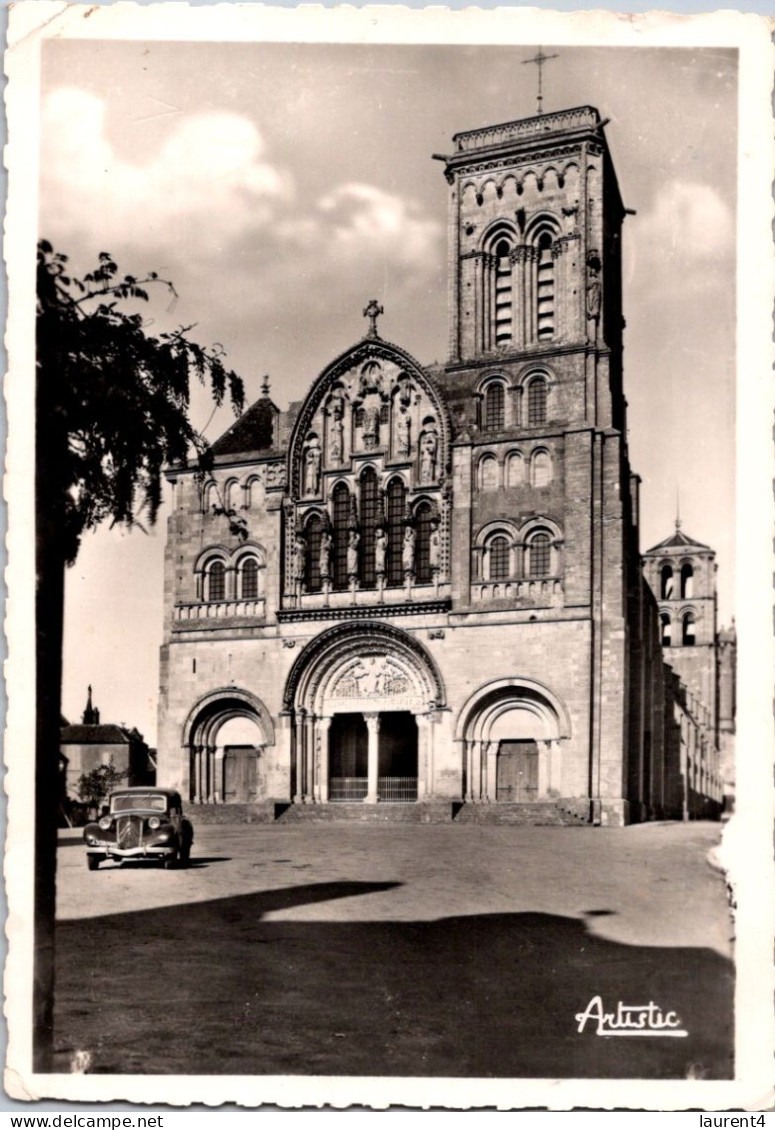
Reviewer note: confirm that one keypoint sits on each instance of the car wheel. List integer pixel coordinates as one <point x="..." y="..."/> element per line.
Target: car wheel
<point x="92" y="862"/>
<point x="170" y="861"/>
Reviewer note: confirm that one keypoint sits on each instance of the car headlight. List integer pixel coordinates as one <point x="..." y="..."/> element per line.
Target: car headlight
<point x="105" y="823"/>
<point x="154" y="822"/>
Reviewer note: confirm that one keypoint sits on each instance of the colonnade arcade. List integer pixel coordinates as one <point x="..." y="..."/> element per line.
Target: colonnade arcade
<point x="362" y="701"/>
<point x="511" y="732"/>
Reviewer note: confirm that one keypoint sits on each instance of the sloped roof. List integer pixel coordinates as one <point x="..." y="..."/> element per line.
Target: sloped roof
<point x="678" y="540"/>
<point x="107" y="734"/>
<point x="254" y="431"/>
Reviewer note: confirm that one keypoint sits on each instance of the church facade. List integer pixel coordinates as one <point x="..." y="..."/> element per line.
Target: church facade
<point x="422" y="585"/>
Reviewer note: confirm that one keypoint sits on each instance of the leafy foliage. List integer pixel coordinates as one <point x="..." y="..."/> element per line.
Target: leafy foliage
<point x="95" y="786"/>
<point x="113" y="400"/>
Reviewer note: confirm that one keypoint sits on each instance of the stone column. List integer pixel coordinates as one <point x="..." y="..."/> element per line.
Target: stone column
<point x="209" y="761"/>
<point x="372" y="725"/>
<point x="555" y="766"/>
<point x="219" y="784"/>
<point x="468" y="747"/>
<point x="477" y="787"/>
<point x="489" y="756"/>
<point x="322" y="730"/>
<point x="197" y="768"/>
<point x="309" y="761"/>
<point x="299" y="751"/>
<point x="544" y="765"/>
<point x="424" y="782"/>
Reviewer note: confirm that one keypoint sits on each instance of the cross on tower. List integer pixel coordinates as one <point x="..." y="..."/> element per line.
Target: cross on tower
<point x="539" y="60"/>
<point x="372" y="312"/>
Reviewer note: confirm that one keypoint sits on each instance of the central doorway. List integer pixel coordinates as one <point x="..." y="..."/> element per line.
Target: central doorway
<point x="348" y="758"/>
<point x="517" y="771"/>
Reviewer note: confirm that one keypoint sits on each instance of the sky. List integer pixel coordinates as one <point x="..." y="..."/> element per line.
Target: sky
<point x="280" y="186"/>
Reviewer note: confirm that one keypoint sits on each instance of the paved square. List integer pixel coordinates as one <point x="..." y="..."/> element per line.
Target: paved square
<point x="398" y="950"/>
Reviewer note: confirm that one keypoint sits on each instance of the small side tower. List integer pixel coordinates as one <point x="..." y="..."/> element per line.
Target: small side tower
<point x="682" y="576"/>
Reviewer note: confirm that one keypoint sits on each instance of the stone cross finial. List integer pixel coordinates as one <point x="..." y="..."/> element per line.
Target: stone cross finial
<point x="539" y="60"/>
<point x="372" y="312"/>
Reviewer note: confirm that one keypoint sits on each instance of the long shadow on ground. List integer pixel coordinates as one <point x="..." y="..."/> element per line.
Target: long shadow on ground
<point x="212" y="988"/>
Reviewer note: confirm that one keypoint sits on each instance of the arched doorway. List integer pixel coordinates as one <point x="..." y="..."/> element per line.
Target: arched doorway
<point x="226" y="733"/>
<point x="363" y="698"/>
<point x="511" y="732"/>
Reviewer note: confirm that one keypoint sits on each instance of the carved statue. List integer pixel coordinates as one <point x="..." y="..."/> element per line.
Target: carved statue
<point x="403" y="433"/>
<point x="312" y="467"/>
<point x="352" y="553"/>
<point x="325" y="554"/>
<point x="336" y="431"/>
<point x="434" y="549"/>
<point x="429" y="446"/>
<point x="407" y="552"/>
<point x="297" y="559"/>
<point x="371" y="409"/>
<point x="380" y="551"/>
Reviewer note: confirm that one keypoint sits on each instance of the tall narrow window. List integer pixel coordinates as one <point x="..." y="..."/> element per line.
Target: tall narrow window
<point x="396" y="506"/>
<point x="488" y="473"/>
<point x="341" y="516"/>
<point x="515" y="470"/>
<point x="494" y="408"/>
<point x="536" y="403"/>
<point x="666" y="582"/>
<point x="688" y="630"/>
<point x="540" y="555"/>
<point x="499" y="558"/>
<point x="541" y="467"/>
<point x="368" y="516"/>
<point x="249" y="579"/>
<point x="313" y="533"/>
<point x="503" y="299"/>
<point x="216" y="581"/>
<point x="667" y="629"/>
<point x="545" y="275"/>
<point x="423" y="517"/>
<point x="687" y="581"/>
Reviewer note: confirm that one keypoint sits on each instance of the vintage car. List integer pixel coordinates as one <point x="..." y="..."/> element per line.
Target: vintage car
<point x="143" y="824"/>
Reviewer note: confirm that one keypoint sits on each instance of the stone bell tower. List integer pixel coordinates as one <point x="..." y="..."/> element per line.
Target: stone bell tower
<point x="535" y="254"/>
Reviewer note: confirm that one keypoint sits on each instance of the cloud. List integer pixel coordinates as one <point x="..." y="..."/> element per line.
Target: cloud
<point x="207" y="181"/>
<point x="210" y="184"/>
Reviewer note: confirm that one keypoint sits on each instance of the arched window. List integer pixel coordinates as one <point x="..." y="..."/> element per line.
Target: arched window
<point x="209" y="497"/>
<point x="498" y="558"/>
<point x="687" y="581"/>
<point x="539" y="549"/>
<point x="536" y="402"/>
<point x="666" y="582"/>
<point x="340" y="504"/>
<point x="688" y="636"/>
<point x="545" y="276"/>
<point x="248" y="579"/>
<point x="488" y="473"/>
<point x="503" y="292"/>
<point x="667" y="629"/>
<point x="494" y="408"/>
<point x="313" y="532"/>
<point x="368" y="514"/>
<point x="215" y="581"/>
<point x="254" y="493"/>
<point x="230" y="495"/>
<point x="396" y="512"/>
<point x="423" y="521"/>
<point x="515" y="469"/>
<point x="541" y="469"/>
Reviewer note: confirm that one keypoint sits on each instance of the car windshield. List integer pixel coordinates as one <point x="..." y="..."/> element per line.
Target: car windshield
<point x="131" y="802"/>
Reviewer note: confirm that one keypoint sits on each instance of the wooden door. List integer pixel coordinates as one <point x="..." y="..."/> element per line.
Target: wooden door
<point x="240" y="774"/>
<point x="517" y="771"/>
